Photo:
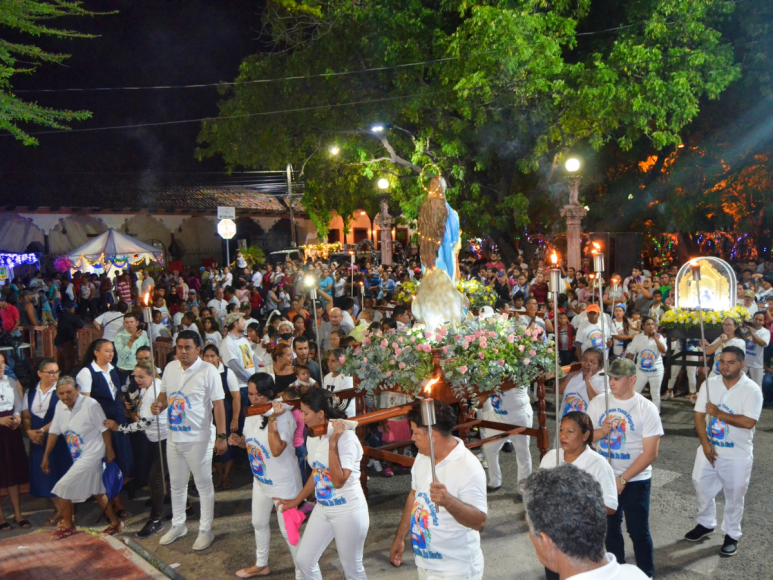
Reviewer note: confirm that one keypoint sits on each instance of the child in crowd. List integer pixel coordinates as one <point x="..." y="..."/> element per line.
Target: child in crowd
<point x="291" y="393"/>
<point x="565" y="339"/>
<point x="45" y="308"/>
<point x="304" y="382"/>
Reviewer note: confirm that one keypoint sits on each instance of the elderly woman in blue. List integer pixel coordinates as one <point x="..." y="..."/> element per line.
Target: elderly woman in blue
<point x="38" y="408"/>
<point x="99" y="380"/>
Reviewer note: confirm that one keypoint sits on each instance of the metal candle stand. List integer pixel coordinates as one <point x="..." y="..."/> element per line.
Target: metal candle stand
<point x="555" y="288"/>
<point x="147" y="314"/>
<point x="695" y="270"/>
<point x="598" y="267"/>
<point x="428" y="418"/>
<point x="313" y="296"/>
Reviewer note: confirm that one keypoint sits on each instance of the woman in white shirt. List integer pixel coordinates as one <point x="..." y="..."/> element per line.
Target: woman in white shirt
<point x="648" y="349"/>
<point x="334" y="381"/>
<point x="81" y="421"/>
<point x="341" y="512"/>
<point x="268" y="439"/>
<point x="14" y="470"/>
<point x="149" y="383"/>
<point x="576" y="437"/>
<point x="731" y="336"/>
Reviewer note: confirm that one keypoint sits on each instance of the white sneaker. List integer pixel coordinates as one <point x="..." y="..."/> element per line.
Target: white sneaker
<point x="204" y="540"/>
<point x="172" y="535"/>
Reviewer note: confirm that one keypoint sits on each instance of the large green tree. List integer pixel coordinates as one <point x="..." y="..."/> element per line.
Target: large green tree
<point x="491" y="93"/>
<point x="26" y="19"/>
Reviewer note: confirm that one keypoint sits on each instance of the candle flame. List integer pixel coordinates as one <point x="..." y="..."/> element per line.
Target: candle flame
<point x="428" y="388"/>
<point x="591" y="276"/>
<point x="554" y="259"/>
<point x="147" y="298"/>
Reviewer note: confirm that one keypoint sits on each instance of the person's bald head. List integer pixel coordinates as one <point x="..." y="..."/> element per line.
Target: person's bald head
<point x="336" y="317"/>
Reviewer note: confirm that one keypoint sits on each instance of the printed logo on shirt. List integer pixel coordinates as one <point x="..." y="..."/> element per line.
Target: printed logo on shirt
<point x="247" y="361"/>
<point x="614" y="446"/>
<point x="323" y="487"/>
<point x="421" y="538"/>
<point x="208" y="341"/>
<point x="74" y="444"/>
<point x="179" y="405"/>
<point x="166" y="319"/>
<point x="596" y="338"/>
<point x="574" y="402"/>
<point x="647" y="361"/>
<point x="496" y="404"/>
<point x="719" y="430"/>
<point x="258" y="455"/>
<point x="751" y="347"/>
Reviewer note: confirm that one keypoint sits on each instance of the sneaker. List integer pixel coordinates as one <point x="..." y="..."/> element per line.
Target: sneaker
<point x="697" y="533"/>
<point x="508" y="447"/>
<point x="388" y="472"/>
<point x="204" y="540"/>
<point x="668" y="395"/>
<point x="377" y="466"/>
<point x="149" y="529"/>
<point x="490" y="489"/>
<point x="172" y="535"/>
<point x="729" y="547"/>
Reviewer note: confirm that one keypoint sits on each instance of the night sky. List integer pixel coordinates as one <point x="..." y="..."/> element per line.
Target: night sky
<point x="149" y="42"/>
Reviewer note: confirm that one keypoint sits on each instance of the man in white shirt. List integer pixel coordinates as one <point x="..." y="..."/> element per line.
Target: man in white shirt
<point x="219" y="305"/>
<point x="444" y="518"/>
<point x="631" y="436"/>
<point x="558" y="502"/>
<point x="590" y="333"/>
<point x="237" y="354"/>
<point x="724" y="459"/>
<point x="191" y="391"/>
<point x="530" y="320"/>
<point x="756" y="341"/>
<point x="177" y="319"/>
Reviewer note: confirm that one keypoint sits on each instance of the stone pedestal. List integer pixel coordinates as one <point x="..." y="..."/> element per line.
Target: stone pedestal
<point x="573" y="215"/>
<point x="385" y="222"/>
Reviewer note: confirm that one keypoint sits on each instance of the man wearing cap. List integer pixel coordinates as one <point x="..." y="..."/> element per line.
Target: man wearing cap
<point x="589" y="333"/>
<point x="748" y="302"/>
<point x="237" y="354"/>
<point x="630" y="436"/>
<point x="766" y="290"/>
<point x="724" y="459"/>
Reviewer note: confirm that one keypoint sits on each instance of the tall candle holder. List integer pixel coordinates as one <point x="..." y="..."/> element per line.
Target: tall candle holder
<point x="428" y="418"/>
<point x="555" y="288"/>
<point x="147" y="315"/>
<point x="598" y="268"/>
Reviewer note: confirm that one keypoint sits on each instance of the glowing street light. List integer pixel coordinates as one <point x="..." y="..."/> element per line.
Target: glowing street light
<point x="377" y="129"/>
<point x="572" y="164"/>
<point x="383" y="183"/>
<point x="335" y="150"/>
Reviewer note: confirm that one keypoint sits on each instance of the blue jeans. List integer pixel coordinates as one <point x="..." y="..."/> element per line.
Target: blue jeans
<point x="300" y="453"/>
<point x="634" y="503"/>
<point x="767" y="389"/>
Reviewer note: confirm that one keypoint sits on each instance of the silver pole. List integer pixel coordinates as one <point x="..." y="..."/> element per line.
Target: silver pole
<point x="147" y="314"/>
<point x="555" y="282"/>
<point x="598" y="262"/>
<point x="695" y="269"/>
<point x="313" y="295"/>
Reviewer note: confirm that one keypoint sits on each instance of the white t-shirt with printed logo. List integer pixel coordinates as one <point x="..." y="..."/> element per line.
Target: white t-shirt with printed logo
<point x="189" y="395"/>
<point x="739" y="342"/>
<point x="594" y="464"/>
<point x="276" y="476"/>
<point x="440" y="543"/>
<point x="220" y="307"/>
<point x="754" y="351"/>
<point x="648" y="357"/>
<point x="633" y="420"/>
<point x="240" y="350"/>
<point x="576" y="396"/>
<point x="82" y="429"/>
<point x="349" y="456"/>
<point x="590" y="334"/>
<point x="502" y="408"/>
<point x="745" y="398"/>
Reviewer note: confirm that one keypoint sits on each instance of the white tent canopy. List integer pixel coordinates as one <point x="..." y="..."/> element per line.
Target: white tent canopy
<point x="112" y="246"/>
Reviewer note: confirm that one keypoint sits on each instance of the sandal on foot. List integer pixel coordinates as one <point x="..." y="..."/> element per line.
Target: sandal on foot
<point x="226" y="484"/>
<point x="113" y="529"/>
<point x="121" y="514"/>
<point x="5" y="526"/>
<point x="244" y="574"/>
<point x="23" y="524"/>
<point x="63" y="533"/>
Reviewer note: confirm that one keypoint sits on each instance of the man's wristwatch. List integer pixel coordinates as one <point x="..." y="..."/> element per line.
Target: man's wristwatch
<point x="222" y="436"/>
<point x="623" y="480"/>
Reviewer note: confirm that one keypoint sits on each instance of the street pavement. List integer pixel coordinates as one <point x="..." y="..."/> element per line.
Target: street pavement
<point x="507" y="550"/>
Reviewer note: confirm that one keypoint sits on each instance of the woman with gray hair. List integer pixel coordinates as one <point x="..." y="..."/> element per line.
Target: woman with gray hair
<point x="568" y="523"/>
<point x="81" y="420"/>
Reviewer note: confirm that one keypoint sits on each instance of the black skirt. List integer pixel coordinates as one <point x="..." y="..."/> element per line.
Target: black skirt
<point x="14" y="467"/>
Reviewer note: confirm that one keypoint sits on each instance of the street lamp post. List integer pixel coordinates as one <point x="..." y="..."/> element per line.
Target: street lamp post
<point x="573" y="214"/>
<point x="293" y="241"/>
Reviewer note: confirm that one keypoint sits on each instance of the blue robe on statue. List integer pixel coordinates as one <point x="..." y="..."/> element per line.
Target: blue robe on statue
<point x="445" y="254"/>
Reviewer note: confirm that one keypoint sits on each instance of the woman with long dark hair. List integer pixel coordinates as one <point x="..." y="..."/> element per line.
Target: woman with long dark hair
<point x="268" y="439"/>
<point x="99" y="380"/>
<point x="341" y="512"/>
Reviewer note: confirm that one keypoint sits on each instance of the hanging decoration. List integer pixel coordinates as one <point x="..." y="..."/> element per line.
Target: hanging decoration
<point x="322" y="250"/>
<point x="119" y="262"/>
<point x="12" y="260"/>
<point x="63" y="264"/>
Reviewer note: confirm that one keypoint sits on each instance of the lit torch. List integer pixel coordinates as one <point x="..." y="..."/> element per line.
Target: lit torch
<point x="428" y="418"/>
<point x="147" y="314"/>
<point x="555" y="288"/>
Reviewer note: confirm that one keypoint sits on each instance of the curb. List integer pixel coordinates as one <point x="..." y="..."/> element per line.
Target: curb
<point x="153" y="560"/>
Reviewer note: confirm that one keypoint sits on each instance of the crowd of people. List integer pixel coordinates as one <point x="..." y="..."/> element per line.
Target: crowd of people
<point x="277" y="335"/>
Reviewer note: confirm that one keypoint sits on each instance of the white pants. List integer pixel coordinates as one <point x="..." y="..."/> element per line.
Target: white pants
<point x="349" y="529"/>
<point x="522" y="417"/>
<point x="654" y="380"/>
<point x="692" y="375"/>
<point x="729" y="477"/>
<point x="262" y="506"/>
<point x="756" y="375"/>
<point x="474" y="573"/>
<point x="184" y="459"/>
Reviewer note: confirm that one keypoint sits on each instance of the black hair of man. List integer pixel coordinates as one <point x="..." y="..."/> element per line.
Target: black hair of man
<point x="190" y="335"/>
<point x="445" y="418"/>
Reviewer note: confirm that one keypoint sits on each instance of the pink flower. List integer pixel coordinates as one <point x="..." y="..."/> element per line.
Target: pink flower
<point x="445" y="350"/>
<point x="358" y="351"/>
<point x="550" y="351"/>
<point x="442" y="331"/>
<point x="365" y="360"/>
<point x="492" y="334"/>
<point x="384" y="343"/>
<point x="342" y="359"/>
<point x="366" y="340"/>
<point x="463" y="369"/>
<point x="379" y="333"/>
<point x="510" y="338"/>
<point x="483" y="343"/>
<point x="394" y="345"/>
<point x="389" y="374"/>
<point x="458" y="337"/>
<point x="532" y="352"/>
<point x="465" y="345"/>
<point x="526" y="361"/>
<point x="496" y="351"/>
<point x="398" y="351"/>
<point x="501" y="362"/>
<point x="427" y="334"/>
<point x="401" y="340"/>
<point x="521" y="347"/>
<point x="413" y="339"/>
<point x="481" y="355"/>
<point x="401" y="366"/>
